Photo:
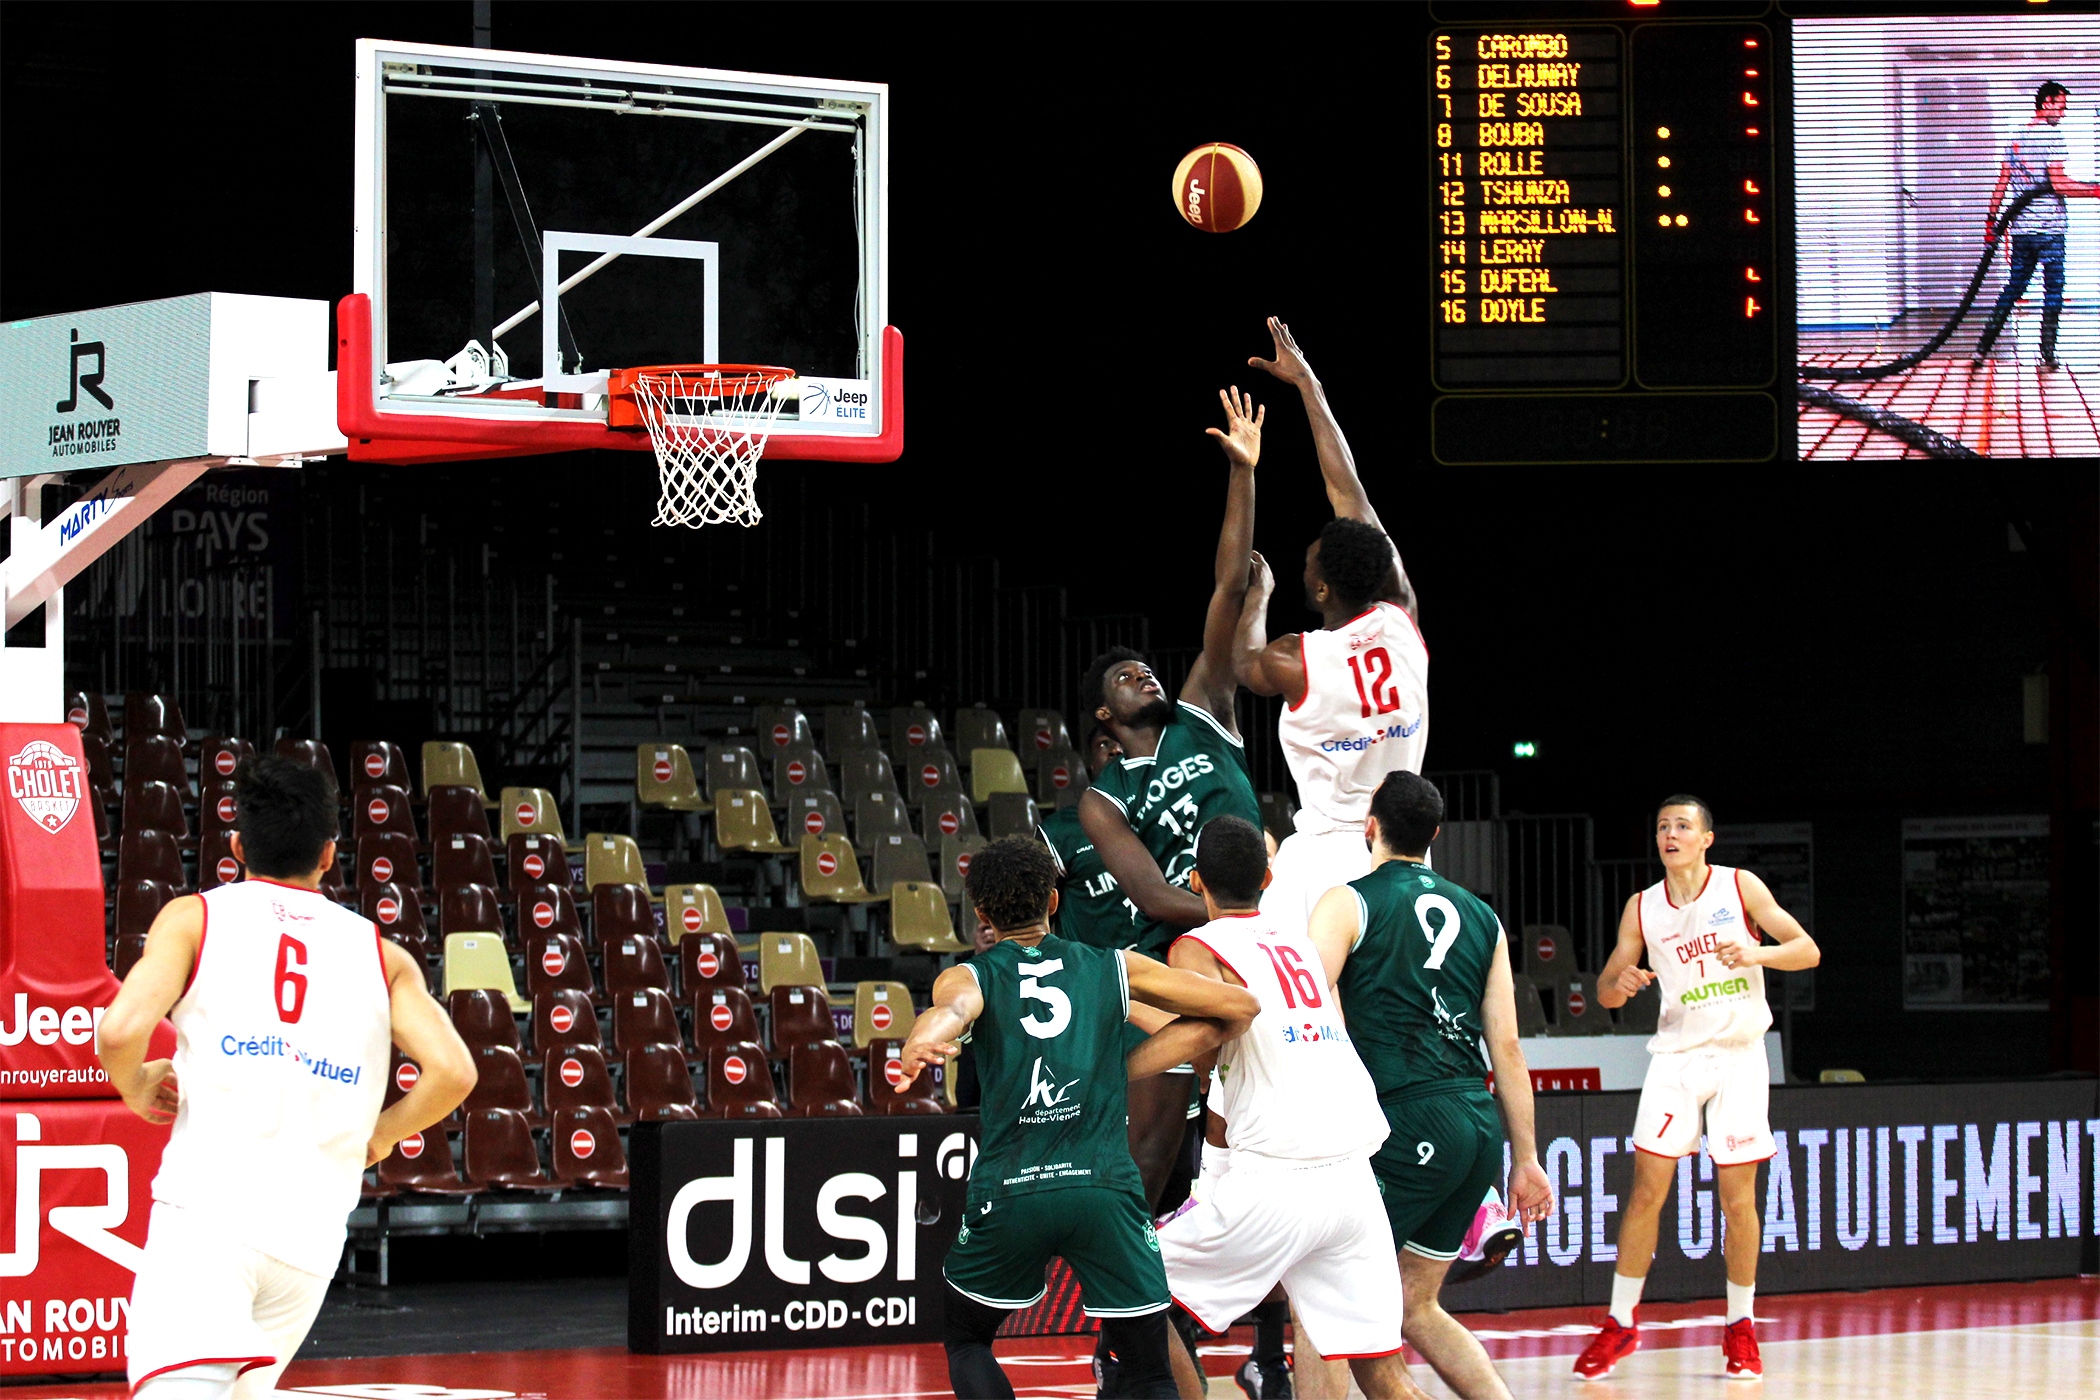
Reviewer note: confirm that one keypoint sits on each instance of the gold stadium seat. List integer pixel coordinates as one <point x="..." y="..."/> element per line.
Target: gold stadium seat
<point x="531" y="810"/>
<point x="881" y="1009"/>
<point x="693" y="909"/>
<point x="477" y="961"/>
<point x="663" y="777"/>
<point x="1828" y="1076"/>
<point x="787" y="960"/>
<point x="994" y="770"/>
<point x="831" y="872"/>
<point x="450" y="764"/>
<point x="610" y="858"/>
<point x="743" y="822"/>
<point x="979" y="728"/>
<point x="919" y="918"/>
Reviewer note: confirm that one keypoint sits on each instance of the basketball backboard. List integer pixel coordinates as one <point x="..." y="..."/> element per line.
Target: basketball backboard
<point x="528" y="224"/>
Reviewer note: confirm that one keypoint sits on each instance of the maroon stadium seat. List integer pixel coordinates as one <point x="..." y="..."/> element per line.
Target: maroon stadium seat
<point x="800" y="1016"/>
<point x="739" y="1084"/>
<point x="152" y="805"/>
<point x="220" y="757"/>
<point x="402" y="1075"/>
<point x="585" y="1148"/>
<point x="388" y="857"/>
<point x="500" y="1155"/>
<point x="536" y="859"/>
<point x="469" y="909"/>
<point x="500" y="1083"/>
<point x="556" y="961"/>
<point x="311" y="752"/>
<point x="216" y="862"/>
<point x="709" y="960"/>
<point x="563" y="1017"/>
<point x="548" y="909"/>
<point x="575" y="1076"/>
<point x="382" y="808"/>
<point x="422" y="1163"/>
<point x="457" y="810"/>
<point x="375" y="761"/>
<point x="102" y="773"/>
<point x="885" y="1054"/>
<point x="659" y="1086"/>
<point x="89" y="712"/>
<point x="130" y="947"/>
<point x="820" y="1082"/>
<point x="137" y="903"/>
<point x="644" y="1016"/>
<point x="462" y="859"/>
<point x="146" y="713"/>
<point x="399" y="916"/>
<point x="218" y="808"/>
<point x="621" y="911"/>
<point x="151" y="855"/>
<point x="721" y="1016"/>
<point x="483" y="1017"/>
<point x="634" y="962"/>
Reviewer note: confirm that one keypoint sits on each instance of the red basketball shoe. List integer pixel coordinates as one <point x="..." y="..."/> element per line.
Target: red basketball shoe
<point x="1611" y="1346"/>
<point x="1739" y="1345"/>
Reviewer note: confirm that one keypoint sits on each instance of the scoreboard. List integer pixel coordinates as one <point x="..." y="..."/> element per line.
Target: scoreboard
<point x="1604" y="236"/>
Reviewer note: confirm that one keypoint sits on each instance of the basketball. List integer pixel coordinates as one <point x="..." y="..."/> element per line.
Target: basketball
<point x="1217" y="187"/>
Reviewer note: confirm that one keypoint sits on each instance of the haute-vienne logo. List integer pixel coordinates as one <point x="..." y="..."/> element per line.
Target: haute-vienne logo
<point x="48" y="782"/>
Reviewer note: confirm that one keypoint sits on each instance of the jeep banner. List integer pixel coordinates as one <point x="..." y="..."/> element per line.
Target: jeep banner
<point x="1869" y="1187"/>
<point x="793" y="1233"/>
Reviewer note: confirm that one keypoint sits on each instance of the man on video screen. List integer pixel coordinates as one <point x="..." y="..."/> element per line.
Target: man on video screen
<point x="2034" y="160"/>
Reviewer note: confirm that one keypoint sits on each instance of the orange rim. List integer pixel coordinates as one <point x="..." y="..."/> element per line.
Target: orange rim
<point x="713" y="381"/>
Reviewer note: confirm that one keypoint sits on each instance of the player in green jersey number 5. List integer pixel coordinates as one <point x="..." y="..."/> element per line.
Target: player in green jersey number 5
<point x="1422" y="968"/>
<point x="1053" y="1174"/>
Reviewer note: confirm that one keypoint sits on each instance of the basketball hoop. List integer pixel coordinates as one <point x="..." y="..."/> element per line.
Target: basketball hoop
<point x="709" y="425"/>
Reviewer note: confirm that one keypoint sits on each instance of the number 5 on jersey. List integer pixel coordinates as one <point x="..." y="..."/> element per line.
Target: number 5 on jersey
<point x="1060" y="1005"/>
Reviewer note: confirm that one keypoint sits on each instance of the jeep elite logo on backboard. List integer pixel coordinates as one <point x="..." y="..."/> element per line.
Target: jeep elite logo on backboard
<point x="48" y="782"/>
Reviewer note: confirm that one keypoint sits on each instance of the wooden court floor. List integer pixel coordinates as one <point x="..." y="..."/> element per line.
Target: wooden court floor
<point x="2034" y="1341"/>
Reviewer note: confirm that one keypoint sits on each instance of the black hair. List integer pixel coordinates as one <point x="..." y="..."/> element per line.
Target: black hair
<point x="1231" y="856"/>
<point x="1355" y="559"/>
<point x="2048" y="90"/>
<point x="1010" y="882"/>
<point x="1409" y="810"/>
<point x="1093" y="690"/>
<point x="1685" y="799"/>
<point x="286" y="814"/>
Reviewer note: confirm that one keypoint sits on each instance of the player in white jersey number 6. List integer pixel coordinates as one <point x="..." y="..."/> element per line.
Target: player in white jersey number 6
<point x="1699" y="926"/>
<point x="284" y="1006"/>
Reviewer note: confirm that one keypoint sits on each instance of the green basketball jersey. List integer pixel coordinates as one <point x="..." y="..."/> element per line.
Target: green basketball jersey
<point x="1050" y="1049"/>
<point x="1090" y="904"/>
<point x="1198" y="772"/>
<point x="1415" y="978"/>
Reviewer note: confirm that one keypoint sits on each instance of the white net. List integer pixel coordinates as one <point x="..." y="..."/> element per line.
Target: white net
<point x="709" y="425"/>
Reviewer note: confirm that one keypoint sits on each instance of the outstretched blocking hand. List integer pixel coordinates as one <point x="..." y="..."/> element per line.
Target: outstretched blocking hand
<point x="1289" y="365"/>
<point x="1241" y="435"/>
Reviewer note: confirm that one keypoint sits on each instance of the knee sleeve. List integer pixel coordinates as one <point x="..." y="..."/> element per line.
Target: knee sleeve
<point x="212" y="1381"/>
<point x="967" y="1331"/>
<point x="1140" y="1345"/>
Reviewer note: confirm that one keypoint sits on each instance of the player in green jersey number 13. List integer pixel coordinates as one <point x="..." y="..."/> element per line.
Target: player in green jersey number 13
<point x="1053" y="1174"/>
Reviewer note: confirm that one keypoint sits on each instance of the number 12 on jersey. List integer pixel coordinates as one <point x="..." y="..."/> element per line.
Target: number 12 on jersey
<point x="1380" y="691"/>
<point x="1291" y="972"/>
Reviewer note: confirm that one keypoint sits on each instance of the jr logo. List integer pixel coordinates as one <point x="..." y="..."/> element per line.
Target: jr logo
<point x="92" y="382"/>
<point x="90" y="1225"/>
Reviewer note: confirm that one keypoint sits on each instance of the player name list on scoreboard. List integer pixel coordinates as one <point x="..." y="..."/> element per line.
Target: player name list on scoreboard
<point x="1527" y="207"/>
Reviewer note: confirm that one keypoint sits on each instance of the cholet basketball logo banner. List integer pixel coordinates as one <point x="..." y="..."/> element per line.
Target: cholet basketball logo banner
<point x="793" y="1233"/>
<point x="1868" y="1188"/>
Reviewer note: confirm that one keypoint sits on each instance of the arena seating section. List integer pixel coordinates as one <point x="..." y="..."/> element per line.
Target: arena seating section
<point x="596" y="983"/>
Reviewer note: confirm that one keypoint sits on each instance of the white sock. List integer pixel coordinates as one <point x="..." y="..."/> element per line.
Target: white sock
<point x="1625" y="1297"/>
<point x="1740" y="1296"/>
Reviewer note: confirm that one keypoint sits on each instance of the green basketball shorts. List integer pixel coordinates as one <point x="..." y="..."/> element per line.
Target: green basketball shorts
<point x="1103" y="1233"/>
<point x="1444" y="1153"/>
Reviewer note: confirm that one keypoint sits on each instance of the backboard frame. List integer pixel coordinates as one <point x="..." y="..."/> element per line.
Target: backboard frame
<point x="382" y="426"/>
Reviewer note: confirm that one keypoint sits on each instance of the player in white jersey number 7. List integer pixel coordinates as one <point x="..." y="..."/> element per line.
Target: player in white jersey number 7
<point x="284" y="1007"/>
<point x="1699" y="926"/>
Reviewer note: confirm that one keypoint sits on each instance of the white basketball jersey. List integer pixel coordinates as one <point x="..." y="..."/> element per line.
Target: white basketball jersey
<point x="1703" y="1002"/>
<point x="282" y="1046"/>
<point x="1364" y="714"/>
<point x="1293" y="1087"/>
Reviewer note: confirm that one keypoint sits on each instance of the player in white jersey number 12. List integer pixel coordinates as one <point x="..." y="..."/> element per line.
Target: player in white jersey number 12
<point x="1297" y="1202"/>
<point x="284" y="1006"/>
<point x="1699" y="926"/>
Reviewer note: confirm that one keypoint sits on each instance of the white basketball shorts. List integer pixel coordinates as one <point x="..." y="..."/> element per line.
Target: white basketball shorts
<point x="1321" y="1231"/>
<point x="200" y="1297"/>
<point x="1731" y="1083"/>
<point x="1308" y="865"/>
